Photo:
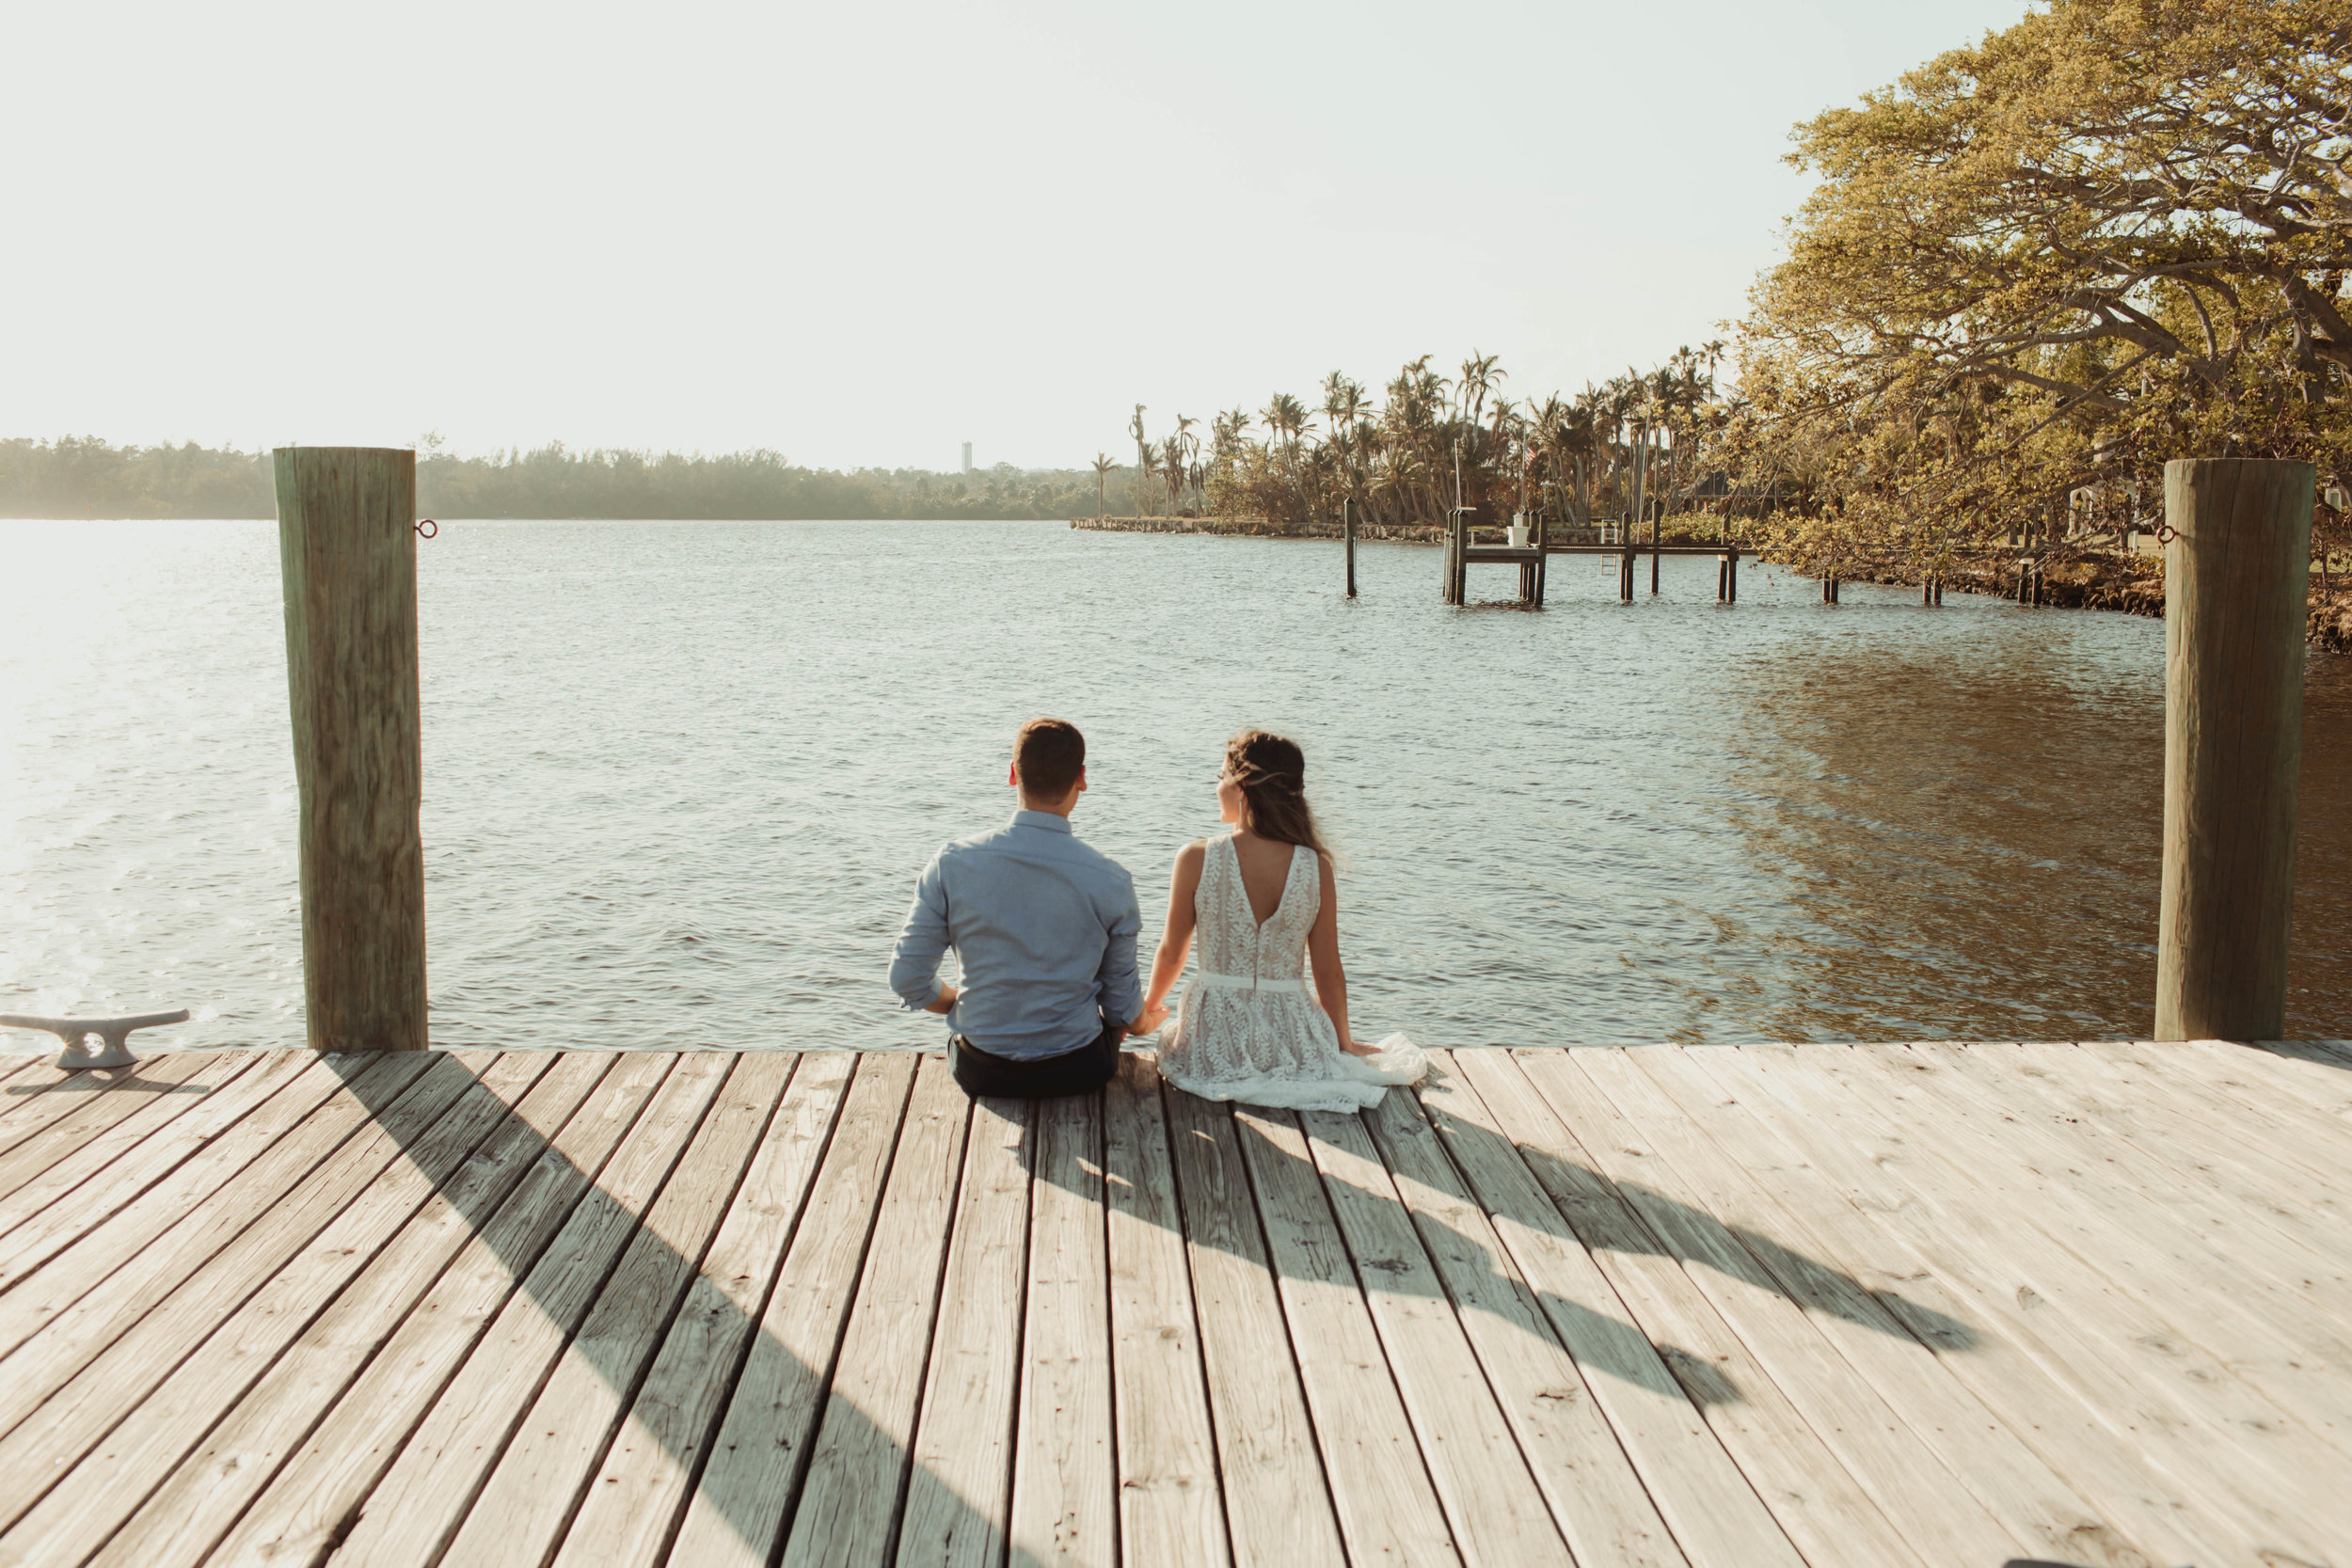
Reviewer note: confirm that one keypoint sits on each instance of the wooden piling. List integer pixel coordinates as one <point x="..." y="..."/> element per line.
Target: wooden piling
<point x="1733" y="597"/>
<point x="1640" y="509"/>
<point x="2235" y="579"/>
<point x="1641" y="491"/>
<point x="1347" y="514"/>
<point x="347" y="545"/>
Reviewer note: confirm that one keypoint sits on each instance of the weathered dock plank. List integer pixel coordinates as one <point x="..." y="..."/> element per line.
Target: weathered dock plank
<point x="2011" y="1274"/>
<point x="1495" y="1509"/>
<point x="50" y="1214"/>
<point x="1676" y="1108"/>
<point x="1574" y="1460"/>
<point x="876" y="1300"/>
<point x="181" y="1520"/>
<point x="1709" y="1508"/>
<point x="959" y="1497"/>
<point x="430" y="1489"/>
<point x="319" y="1488"/>
<point x="535" y="1489"/>
<point x="205" y="1273"/>
<point x="1830" y="1185"/>
<point x="1823" y="1509"/>
<point x="1277" y="1503"/>
<point x="1678" y="1308"/>
<point x="632" y="1507"/>
<point x="153" y="1395"/>
<point x="1387" y="1505"/>
<point x="1065" y="1501"/>
<point x="1170" y="1512"/>
<point x="107" y="1122"/>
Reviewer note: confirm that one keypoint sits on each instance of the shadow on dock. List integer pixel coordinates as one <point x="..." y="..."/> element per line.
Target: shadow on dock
<point x="764" y="1533"/>
<point x="489" y="1144"/>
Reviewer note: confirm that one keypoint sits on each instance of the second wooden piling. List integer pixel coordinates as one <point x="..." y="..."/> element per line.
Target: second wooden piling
<point x="1347" y="514"/>
<point x="2235" y="578"/>
<point x="347" y="547"/>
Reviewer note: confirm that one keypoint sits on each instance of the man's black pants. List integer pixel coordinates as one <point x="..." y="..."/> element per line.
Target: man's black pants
<point x="1079" y="1071"/>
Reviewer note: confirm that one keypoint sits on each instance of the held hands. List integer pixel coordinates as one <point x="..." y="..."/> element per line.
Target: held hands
<point x="1149" y="1020"/>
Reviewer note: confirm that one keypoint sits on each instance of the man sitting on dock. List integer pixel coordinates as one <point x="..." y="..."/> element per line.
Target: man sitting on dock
<point x="1044" y="927"/>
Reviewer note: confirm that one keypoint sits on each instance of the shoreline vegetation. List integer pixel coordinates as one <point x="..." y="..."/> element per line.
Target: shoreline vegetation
<point x="87" y="477"/>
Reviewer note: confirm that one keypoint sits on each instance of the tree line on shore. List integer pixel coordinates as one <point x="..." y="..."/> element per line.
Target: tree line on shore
<point x="1437" y="442"/>
<point x="2031" y="272"/>
<point x="87" y="477"/>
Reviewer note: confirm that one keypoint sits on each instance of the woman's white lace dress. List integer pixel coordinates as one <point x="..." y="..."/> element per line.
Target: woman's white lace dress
<point x="1247" y="1028"/>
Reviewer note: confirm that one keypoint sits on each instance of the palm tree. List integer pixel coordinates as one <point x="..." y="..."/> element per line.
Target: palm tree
<point x="1143" y="456"/>
<point x="1102" y="467"/>
<point x="1343" y="400"/>
<point x="1345" y="405"/>
<point x="1508" y="428"/>
<point x="1188" y="448"/>
<point x="1171" y="469"/>
<point x="1227" y="437"/>
<point x="1581" y="442"/>
<point x="1479" y="376"/>
<point x="1287" y="420"/>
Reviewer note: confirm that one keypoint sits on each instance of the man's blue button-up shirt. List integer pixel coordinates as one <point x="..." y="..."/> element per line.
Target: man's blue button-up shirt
<point x="1044" y="927"/>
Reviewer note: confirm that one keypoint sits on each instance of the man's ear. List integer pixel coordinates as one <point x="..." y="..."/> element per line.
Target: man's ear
<point x="1082" y="779"/>
<point x="1012" y="774"/>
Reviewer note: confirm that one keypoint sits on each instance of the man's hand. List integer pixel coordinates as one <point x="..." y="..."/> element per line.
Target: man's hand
<point x="944" y="1001"/>
<point x="1150" y="1021"/>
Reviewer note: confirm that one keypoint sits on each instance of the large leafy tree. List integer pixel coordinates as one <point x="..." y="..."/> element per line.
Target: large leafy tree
<point x="2117" y="232"/>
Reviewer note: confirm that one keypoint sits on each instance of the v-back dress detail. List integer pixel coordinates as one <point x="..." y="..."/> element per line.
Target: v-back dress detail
<point x="1247" y="1028"/>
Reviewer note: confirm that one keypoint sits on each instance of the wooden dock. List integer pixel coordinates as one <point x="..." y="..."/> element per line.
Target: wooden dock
<point x="1731" y="1308"/>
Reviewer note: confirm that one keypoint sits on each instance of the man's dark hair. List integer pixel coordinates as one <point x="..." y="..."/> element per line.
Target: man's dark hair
<point x="1050" y="755"/>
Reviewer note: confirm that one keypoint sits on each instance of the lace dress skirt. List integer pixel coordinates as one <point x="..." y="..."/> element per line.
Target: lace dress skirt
<point x="1276" y="1048"/>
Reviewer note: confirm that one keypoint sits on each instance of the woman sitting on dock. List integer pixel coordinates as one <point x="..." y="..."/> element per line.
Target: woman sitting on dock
<point x="1263" y="898"/>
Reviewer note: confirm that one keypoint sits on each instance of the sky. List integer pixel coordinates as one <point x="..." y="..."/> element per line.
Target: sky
<point x="861" y="235"/>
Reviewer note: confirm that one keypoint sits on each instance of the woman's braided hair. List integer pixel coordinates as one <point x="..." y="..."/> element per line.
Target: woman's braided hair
<point x="1272" y="773"/>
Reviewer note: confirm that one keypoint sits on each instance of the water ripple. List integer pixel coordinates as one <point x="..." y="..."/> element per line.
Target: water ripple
<point x="679" y="777"/>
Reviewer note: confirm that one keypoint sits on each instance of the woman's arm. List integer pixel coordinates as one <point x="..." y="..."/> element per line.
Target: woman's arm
<point x="1323" y="948"/>
<point x="1168" y="964"/>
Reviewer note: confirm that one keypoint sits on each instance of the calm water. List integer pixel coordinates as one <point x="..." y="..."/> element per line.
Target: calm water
<point x="679" y="777"/>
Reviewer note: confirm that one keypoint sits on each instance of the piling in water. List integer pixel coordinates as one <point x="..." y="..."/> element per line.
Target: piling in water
<point x="347" y="549"/>
<point x="2235" y="594"/>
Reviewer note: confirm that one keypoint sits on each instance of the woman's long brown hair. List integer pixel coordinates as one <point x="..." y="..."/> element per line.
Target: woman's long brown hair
<point x="1272" y="772"/>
